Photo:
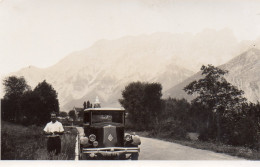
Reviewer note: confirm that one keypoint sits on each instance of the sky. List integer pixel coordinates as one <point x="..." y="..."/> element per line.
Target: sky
<point x="42" y="32"/>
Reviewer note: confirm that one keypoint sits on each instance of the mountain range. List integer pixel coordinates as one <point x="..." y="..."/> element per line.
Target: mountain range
<point x="105" y="68"/>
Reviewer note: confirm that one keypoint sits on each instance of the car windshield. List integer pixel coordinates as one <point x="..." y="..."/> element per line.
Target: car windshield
<point x="101" y="118"/>
<point x="105" y="117"/>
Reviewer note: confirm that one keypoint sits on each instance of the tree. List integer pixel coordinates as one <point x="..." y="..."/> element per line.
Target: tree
<point x="30" y="103"/>
<point x="216" y="94"/>
<point x="63" y="114"/>
<point x="22" y="105"/>
<point x="48" y="101"/>
<point x="246" y="131"/>
<point x="88" y="104"/>
<point x="175" y="118"/>
<point x="152" y="100"/>
<point x="132" y="102"/>
<point x="72" y="114"/>
<point x="142" y="102"/>
<point x="84" y="105"/>
<point x="14" y="88"/>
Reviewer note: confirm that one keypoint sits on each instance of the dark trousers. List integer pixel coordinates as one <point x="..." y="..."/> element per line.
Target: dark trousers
<point x="54" y="145"/>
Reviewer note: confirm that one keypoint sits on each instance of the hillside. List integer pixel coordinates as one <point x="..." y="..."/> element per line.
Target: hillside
<point x="243" y="72"/>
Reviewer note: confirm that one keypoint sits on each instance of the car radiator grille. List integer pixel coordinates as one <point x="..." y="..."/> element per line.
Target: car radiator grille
<point x="110" y="136"/>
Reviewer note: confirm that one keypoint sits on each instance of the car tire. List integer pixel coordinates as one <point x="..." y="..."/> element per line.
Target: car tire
<point x="84" y="156"/>
<point x="122" y="157"/>
<point x="134" y="156"/>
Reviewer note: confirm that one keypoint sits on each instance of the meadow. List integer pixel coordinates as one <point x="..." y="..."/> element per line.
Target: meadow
<point x="29" y="143"/>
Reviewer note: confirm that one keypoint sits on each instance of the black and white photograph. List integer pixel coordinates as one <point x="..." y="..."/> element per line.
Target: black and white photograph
<point x="130" y="81"/>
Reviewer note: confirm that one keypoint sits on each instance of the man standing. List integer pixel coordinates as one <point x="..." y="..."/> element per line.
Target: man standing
<point x="53" y="130"/>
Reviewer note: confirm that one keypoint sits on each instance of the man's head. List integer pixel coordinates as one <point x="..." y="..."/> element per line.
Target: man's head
<point x="53" y="117"/>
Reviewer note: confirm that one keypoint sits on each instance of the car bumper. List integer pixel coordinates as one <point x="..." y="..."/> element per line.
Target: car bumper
<point x="111" y="150"/>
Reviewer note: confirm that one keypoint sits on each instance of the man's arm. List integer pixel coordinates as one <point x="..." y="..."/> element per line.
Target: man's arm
<point x="46" y="131"/>
<point x="61" y="130"/>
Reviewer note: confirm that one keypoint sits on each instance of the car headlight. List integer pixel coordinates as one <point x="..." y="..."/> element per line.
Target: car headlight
<point x="83" y="140"/>
<point x="92" y="137"/>
<point x="128" y="137"/>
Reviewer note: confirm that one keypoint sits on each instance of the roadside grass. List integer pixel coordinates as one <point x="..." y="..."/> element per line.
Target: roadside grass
<point x="29" y="143"/>
<point x="242" y="152"/>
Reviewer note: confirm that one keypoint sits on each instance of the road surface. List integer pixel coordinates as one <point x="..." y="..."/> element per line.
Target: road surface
<point x="154" y="149"/>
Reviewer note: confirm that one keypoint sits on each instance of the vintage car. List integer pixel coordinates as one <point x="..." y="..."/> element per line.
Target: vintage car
<point x="105" y="137"/>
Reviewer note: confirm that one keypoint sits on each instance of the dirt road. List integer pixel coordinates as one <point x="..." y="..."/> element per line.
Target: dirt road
<point x="153" y="149"/>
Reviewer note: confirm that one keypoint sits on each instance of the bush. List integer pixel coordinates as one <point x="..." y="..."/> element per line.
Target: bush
<point x="207" y="134"/>
<point x="172" y="129"/>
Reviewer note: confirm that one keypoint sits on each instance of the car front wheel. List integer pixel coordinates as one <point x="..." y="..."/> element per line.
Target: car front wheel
<point x="134" y="156"/>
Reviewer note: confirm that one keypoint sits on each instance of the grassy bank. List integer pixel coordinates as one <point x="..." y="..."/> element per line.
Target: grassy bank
<point x="28" y="143"/>
<point x="242" y="152"/>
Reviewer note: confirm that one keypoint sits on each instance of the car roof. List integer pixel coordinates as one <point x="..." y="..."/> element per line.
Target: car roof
<point x="104" y="109"/>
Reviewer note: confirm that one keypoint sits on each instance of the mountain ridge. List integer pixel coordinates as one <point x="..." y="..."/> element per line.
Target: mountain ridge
<point x="105" y="68"/>
<point x="243" y="72"/>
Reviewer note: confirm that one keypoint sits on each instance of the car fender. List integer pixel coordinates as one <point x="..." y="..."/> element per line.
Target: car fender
<point x="136" y="140"/>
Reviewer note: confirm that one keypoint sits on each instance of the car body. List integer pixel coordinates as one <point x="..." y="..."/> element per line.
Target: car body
<point x="105" y="137"/>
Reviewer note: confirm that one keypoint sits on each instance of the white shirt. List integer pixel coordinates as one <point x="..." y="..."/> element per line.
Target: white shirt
<point x="52" y="127"/>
